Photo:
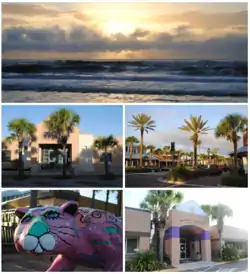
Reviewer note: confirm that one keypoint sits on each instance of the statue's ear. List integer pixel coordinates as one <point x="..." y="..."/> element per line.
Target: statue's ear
<point x="70" y="207"/>
<point x="21" y="211"/>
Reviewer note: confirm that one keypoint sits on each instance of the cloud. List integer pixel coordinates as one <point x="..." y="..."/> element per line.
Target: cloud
<point x="198" y="19"/>
<point x="28" y="9"/>
<point x="86" y="39"/>
<point x="181" y="139"/>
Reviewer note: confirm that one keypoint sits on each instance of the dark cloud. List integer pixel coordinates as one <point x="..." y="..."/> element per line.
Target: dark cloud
<point x="85" y="39"/>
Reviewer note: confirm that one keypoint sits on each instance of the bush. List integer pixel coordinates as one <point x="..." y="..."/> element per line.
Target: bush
<point x="229" y="253"/>
<point x="234" y="180"/>
<point x="143" y="262"/>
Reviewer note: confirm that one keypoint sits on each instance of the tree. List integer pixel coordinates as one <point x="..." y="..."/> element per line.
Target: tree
<point x="159" y="153"/>
<point x="20" y="130"/>
<point x="33" y="198"/>
<point x="92" y="203"/>
<point x="119" y="203"/>
<point x="218" y="214"/>
<point x="104" y="143"/>
<point x="60" y="125"/>
<point x="229" y="127"/>
<point x="159" y="202"/>
<point x="130" y="141"/>
<point x="151" y="149"/>
<point x="108" y="192"/>
<point x="196" y="126"/>
<point x="214" y="153"/>
<point x="143" y="123"/>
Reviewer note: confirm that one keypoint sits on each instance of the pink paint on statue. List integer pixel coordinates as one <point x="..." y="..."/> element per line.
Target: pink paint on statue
<point x="84" y="236"/>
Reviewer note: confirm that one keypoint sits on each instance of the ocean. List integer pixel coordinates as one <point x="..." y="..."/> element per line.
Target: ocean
<point x="124" y="81"/>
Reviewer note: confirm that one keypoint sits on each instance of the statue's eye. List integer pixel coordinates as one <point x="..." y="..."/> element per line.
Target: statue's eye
<point x="51" y="215"/>
<point x="26" y="219"/>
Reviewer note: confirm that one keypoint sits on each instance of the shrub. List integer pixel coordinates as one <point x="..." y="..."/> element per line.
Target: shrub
<point x="234" y="180"/>
<point x="229" y="253"/>
<point x="143" y="262"/>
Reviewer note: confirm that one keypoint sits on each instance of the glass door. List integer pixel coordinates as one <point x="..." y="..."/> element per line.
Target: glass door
<point x="182" y="249"/>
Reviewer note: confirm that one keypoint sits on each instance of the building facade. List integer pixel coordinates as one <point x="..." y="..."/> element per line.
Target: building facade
<point x="188" y="235"/>
<point x="45" y="153"/>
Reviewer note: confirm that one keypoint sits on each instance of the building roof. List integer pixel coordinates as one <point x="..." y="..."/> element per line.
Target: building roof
<point x="230" y="233"/>
<point x="137" y="209"/>
<point x="243" y="149"/>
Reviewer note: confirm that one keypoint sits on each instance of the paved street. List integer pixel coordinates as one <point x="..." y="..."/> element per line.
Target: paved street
<point x="27" y="263"/>
<point x="145" y="180"/>
<point x="154" y="180"/>
<point x="82" y="182"/>
<point x="240" y="266"/>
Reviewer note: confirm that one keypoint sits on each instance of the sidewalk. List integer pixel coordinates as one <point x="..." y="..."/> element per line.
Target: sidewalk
<point x="52" y="181"/>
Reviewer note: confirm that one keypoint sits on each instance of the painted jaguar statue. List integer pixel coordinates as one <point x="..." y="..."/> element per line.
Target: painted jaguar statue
<point x="78" y="236"/>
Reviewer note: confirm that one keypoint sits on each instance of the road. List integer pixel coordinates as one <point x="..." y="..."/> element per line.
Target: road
<point x="154" y="180"/>
<point x="240" y="266"/>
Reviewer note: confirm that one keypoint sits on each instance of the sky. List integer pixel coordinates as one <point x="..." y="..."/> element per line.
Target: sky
<point x="169" y="118"/>
<point x="125" y="30"/>
<point x="132" y="198"/>
<point x="99" y="120"/>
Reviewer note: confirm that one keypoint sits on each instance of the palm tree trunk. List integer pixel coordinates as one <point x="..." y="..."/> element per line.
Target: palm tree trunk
<point x="141" y="148"/>
<point x="161" y="242"/>
<point x="20" y="160"/>
<point x="92" y="204"/>
<point x="107" y="200"/>
<point x="64" y="161"/>
<point x="195" y="155"/>
<point x="106" y="163"/>
<point x="131" y="153"/>
<point x="235" y="153"/>
<point x="119" y="203"/>
<point x="33" y="198"/>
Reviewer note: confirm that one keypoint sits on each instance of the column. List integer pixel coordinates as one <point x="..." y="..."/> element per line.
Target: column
<point x="205" y="246"/>
<point x="173" y="237"/>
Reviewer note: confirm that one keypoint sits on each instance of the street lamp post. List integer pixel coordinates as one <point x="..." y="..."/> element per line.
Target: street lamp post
<point x="208" y="157"/>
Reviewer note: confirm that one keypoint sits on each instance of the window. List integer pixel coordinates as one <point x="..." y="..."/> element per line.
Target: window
<point x="132" y="244"/>
<point x="6" y="156"/>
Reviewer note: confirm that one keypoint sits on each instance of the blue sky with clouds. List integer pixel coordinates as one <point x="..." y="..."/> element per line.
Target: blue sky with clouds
<point x="169" y="118"/>
<point x="99" y="120"/>
<point x="132" y="198"/>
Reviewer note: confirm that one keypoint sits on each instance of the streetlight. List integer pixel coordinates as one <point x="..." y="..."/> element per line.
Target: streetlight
<point x="208" y="161"/>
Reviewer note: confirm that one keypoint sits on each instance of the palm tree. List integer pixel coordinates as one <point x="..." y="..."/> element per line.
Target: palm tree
<point x="104" y="143"/>
<point x="159" y="153"/>
<point x="20" y="129"/>
<point x="130" y="141"/>
<point x="92" y="203"/>
<point x="159" y="202"/>
<point x="196" y="126"/>
<point x="151" y="149"/>
<point x="214" y="153"/>
<point x="218" y="213"/>
<point x="143" y="123"/>
<point x="229" y="127"/>
<point x="108" y="192"/>
<point x="33" y="198"/>
<point x="119" y="203"/>
<point x="60" y="125"/>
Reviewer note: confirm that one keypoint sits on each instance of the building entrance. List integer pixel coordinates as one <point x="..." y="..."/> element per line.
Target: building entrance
<point x="184" y="249"/>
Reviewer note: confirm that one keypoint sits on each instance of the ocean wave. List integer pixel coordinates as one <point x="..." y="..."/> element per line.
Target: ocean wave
<point x="192" y="68"/>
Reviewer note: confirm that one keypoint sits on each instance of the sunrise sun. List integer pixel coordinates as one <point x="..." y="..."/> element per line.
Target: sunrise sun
<point x="113" y="27"/>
